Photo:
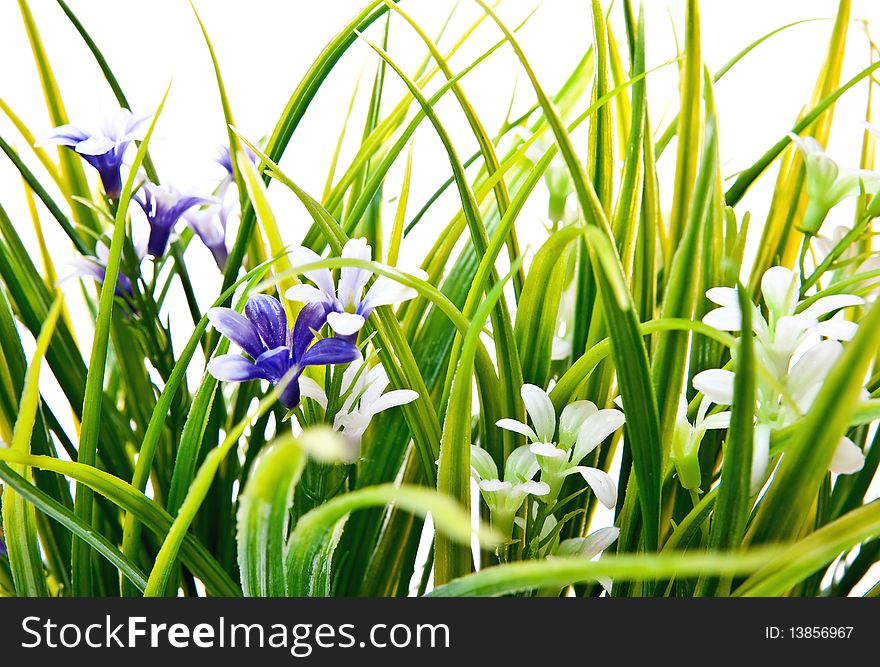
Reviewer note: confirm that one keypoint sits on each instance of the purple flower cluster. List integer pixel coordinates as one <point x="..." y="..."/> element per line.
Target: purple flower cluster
<point x="277" y="354"/>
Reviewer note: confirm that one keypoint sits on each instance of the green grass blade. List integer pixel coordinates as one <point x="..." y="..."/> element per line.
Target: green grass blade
<point x="81" y="572"/>
<point x="308" y="538"/>
<point x="561" y="572"/>
<point x="19" y="518"/>
<point x="733" y="502"/>
<point x="784" y="508"/>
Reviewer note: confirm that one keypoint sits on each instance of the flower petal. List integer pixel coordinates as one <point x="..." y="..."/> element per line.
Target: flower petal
<point x="540" y="409"/>
<point x="723" y="296"/>
<point x="837" y="329"/>
<point x="601" y="484"/>
<point x="495" y="485"/>
<point x="300" y="256"/>
<point x="517" y="427"/>
<point x="718" y="420"/>
<point x="392" y="399"/>
<point x="238" y="329"/>
<point x="828" y="304"/>
<point x="547" y="449"/>
<point x="305" y="294"/>
<point x="780" y="287"/>
<point x="848" y="458"/>
<point x="521" y="465"/>
<point x="351" y="279"/>
<point x="269" y="319"/>
<point x="329" y="351"/>
<point x="716" y="384"/>
<point x="95" y="145"/>
<point x="760" y="457"/>
<point x="234" y="368"/>
<point x="345" y="324"/>
<point x="572" y="418"/>
<point x="590" y="546"/>
<point x="387" y="292"/>
<point x="310" y="319"/>
<point x="534" y="488"/>
<point x="724" y="319"/>
<point x="482" y="464"/>
<point x="594" y="430"/>
<point x="311" y="389"/>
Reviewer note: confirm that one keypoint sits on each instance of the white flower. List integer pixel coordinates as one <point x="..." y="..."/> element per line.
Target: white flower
<point x="582" y="428"/>
<point x="590" y="547"/>
<point x="776" y="410"/>
<point x="346" y="306"/>
<point x="505" y="496"/>
<point x="365" y="397"/>
<point x="828" y="184"/>
<point x="786" y="329"/>
<point x="687" y="437"/>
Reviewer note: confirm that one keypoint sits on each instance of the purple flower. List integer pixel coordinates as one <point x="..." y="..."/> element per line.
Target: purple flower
<point x="346" y="305"/>
<point x="209" y="224"/>
<point x="105" y="147"/>
<point x="95" y="266"/>
<point x="164" y="206"/>
<point x="224" y="159"/>
<point x="276" y="352"/>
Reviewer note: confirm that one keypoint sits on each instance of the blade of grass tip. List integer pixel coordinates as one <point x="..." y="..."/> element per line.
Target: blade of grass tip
<point x="111" y="79"/>
<point x="72" y="172"/>
<point x="672" y="127"/>
<point x="601" y="137"/>
<point x="293" y="113"/>
<point x="743" y="182"/>
<point x="487" y="148"/>
<point x="48" y="202"/>
<point x="732" y="506"/>
<point x="19" y="517"/>
<point x="31" y="141"/>
<point x="93" y="398"/>
<point x="689" y="124"/>
<point x="785" y="505"/>
<point x="626" y="214"/>
<point x="256" y="190"/>
<point x="234" y="144"/>
<point x="334" y="158"/>
<point x="510" y="373"/>
<point x="387" y="129"/>
<point x="370" y="223"/>
<point x="400" y="214"/>
<point x="634" y="379"/>
<point x="453" y="560"/>
<point x="682" y="291"/>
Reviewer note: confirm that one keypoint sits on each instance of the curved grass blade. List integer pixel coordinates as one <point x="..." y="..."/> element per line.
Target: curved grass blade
<point x="19" y="518"/>
<point x="560" y="572"/>
<point x="81" y="573"/>
<point x="813" y="552"/>
<point x="308" y="540"/>
<point x="52" y="508"/>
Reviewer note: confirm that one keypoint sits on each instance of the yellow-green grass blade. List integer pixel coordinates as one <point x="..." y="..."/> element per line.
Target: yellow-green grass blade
<point x="81" y="572"/>
<point x="19" y="518"/>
